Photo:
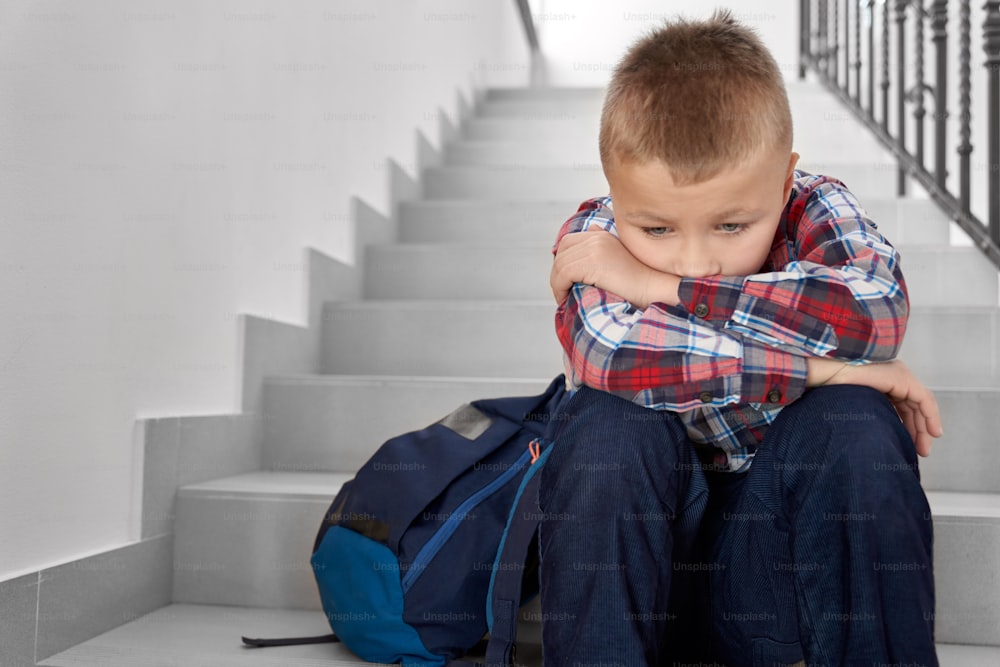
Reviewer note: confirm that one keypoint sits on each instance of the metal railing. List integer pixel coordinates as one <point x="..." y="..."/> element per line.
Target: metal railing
<point x="529" y="24"/>
<point x="832" y="46"/>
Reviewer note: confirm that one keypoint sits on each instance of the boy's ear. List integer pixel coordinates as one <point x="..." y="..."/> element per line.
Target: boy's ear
<point x="790" y="175"/>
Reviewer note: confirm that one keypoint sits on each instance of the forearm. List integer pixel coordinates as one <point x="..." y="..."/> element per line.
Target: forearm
<point x="667" y="360"/>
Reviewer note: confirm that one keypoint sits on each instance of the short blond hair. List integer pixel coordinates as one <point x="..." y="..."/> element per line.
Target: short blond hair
<point x="699" y="96"/>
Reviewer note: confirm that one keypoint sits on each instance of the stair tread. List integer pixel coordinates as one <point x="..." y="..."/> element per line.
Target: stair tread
<point x="375" y="378"/>
<point x="461" y="304"/>
<point x="309" y="485"/>
<point x="266" y="483"/>
<point x="964" y="504"/>
<point x="209" y="636"/>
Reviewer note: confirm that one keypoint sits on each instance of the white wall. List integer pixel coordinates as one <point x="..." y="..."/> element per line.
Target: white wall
<point x="583" y="41"/>
<point x="162" y="166"/>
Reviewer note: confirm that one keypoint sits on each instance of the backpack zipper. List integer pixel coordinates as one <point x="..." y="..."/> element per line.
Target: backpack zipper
<point x="433" y="545"/>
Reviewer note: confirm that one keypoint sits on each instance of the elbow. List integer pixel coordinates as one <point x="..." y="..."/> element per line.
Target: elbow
<point x="879" y="334"/>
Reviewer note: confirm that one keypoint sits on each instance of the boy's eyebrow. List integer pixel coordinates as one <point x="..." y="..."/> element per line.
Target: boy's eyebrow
<point x="724" y="215"/>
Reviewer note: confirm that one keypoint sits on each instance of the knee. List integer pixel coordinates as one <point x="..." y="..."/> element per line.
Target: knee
<point x="852" y="421"/>
<point x="608" y="445"/>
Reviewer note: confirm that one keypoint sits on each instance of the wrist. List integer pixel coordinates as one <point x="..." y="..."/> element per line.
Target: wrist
<point x="820" y="371"/>
<point x="660" y="288"/>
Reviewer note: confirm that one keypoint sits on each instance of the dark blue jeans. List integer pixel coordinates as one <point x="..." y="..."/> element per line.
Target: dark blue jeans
<point x="822" y="552"/>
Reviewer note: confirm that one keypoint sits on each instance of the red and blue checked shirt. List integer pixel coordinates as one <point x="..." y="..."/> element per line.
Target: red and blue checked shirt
<point x="831" y="286"/>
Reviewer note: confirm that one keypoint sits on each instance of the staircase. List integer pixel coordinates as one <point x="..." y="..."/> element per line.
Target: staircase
<point x="471" y="261"/>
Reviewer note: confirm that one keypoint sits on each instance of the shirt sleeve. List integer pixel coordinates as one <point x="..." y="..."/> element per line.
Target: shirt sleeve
<point x="841" y="294"/>
<point x="663" y="357"/>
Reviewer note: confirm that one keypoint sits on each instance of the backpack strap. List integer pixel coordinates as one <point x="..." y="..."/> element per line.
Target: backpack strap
<point x="250" y="642"/>
<point x="505" y="585"/>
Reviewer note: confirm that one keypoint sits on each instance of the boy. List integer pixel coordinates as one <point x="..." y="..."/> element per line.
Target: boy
<point x="759" y="514"/>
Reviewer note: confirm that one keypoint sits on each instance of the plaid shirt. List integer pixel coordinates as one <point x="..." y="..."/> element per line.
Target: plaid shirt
<point x="831" y="286"/>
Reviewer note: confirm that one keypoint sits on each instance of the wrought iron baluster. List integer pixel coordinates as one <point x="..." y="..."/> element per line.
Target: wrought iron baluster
<point x="885" y="66"/>
<point x="847" y="46"/>
<point x="857" y="52"/>
<point x="964" y="105"/>
<point x="823" y="33"/>
<point x="871" y="58"/>
<point x="919" y="111"/>
<point x="939" y="26"/>
<point x="901" y="6"/>
<point x="991" y="44"/>
<point x="804" y="37"/>
<point x="835" y="50"/>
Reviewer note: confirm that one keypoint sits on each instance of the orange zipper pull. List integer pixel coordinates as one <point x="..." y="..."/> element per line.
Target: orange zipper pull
<point x="535" y="447"/>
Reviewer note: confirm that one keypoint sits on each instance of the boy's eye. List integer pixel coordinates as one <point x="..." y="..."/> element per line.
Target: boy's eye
<point x="656" y="231"/>
<point x="732" y="227"/>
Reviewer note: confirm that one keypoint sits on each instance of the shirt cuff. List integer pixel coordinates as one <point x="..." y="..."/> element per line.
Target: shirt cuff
<point x="771" y="376"/>
<point x="711" y="299"/>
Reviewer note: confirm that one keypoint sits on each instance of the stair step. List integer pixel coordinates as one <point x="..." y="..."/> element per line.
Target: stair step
<point x="902" y="221"/>
<point x="542" y="109"/>
<point x="517" y="183"/>
<point x="479" y="221"/>
<point x="209" y="636"/>
<point x="330" y="423"/>
<point x="238" y="542"/>
<point x="245" y="540"/>
<point x="566" y="94"/>
<point x="967" y="586"/>
<point x="485" y="338"/>
<point x="334" y="423"/>
<point x="519" y="154"/>
<point x="517" y="339"/>
<point x="974" y="363"/>
<point x="457" y="271"/>
<point x="193" y="635"/>
<point x="509" y="271"/>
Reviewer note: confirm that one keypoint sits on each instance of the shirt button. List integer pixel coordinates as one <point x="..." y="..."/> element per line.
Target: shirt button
<point x="701" y="310"/>
<point x="774" y="396"/>
<point x="705" y="397"/>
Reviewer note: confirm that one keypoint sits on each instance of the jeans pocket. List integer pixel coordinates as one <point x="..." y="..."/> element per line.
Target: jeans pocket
<point x="770" y="653"/>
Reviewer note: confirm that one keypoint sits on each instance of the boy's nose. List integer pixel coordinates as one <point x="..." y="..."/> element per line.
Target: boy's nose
<point x="692" y="265"/>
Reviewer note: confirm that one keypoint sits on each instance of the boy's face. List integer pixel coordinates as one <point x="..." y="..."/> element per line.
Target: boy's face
<point x="724" y="226"/>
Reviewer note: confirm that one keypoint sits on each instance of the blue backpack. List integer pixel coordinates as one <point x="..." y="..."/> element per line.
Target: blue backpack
<point x="432" y="544"/>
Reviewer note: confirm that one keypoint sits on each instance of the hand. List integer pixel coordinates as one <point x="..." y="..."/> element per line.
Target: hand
<point x="598" y="258"/>
<point x="915" y="404"/>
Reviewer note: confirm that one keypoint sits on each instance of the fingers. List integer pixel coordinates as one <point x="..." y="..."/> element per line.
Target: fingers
<point x="922" y="423"/>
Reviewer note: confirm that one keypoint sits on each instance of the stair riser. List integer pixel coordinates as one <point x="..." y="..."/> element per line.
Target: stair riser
<point x="960" y="459"/>
<point x="967" y="588"/>
<point x="519" y="341"/>
<point x="564" y="95"/>
<point x="500" y="153"/>
<point x="476" y="222"/>
<point x="246" y="551"/>
<point x="952" y="348"/>
<point x="486" y="342"/>
<point x="515" y="183"/>
<point x="912" y="222"/>
<point x="957" y="277"/>
<point x="586" y="107"/>
<point x="336" y="426"/>
<point x="241" y="557"/>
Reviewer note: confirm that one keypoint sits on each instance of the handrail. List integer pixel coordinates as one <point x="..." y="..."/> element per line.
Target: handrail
<point x="529" y="24"/>
<point x="822" y="51"/>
